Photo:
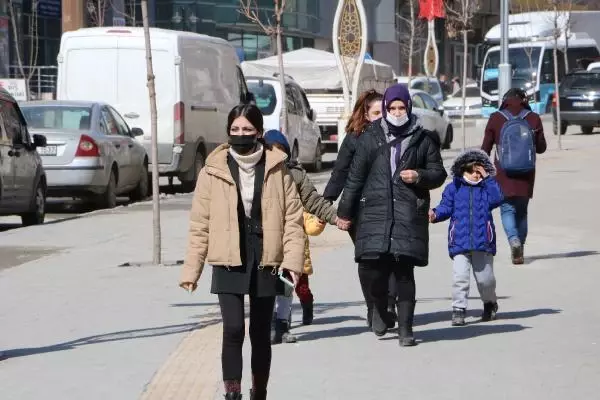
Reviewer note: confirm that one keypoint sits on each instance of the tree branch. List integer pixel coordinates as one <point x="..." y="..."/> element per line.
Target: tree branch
<point x="248" y="8"/>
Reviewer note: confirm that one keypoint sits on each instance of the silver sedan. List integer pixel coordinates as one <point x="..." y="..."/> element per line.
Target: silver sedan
<point x="91" y="151"/>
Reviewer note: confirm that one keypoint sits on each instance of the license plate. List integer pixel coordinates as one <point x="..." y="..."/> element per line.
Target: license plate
<point x="47" y="151"/>
<point x="583" y="104"/>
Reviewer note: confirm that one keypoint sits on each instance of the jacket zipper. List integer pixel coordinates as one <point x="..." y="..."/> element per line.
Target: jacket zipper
<point x="471" y="215"/>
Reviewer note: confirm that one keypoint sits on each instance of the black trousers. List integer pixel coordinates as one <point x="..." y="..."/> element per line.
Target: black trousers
<point x="374" y="276"/>
<point x="232" y="312"/>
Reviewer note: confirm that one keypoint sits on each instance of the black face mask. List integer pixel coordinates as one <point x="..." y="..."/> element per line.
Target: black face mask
<point x="243" y="144"/>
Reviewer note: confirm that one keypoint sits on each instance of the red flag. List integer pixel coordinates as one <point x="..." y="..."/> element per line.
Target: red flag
<point x="431" y="9"/>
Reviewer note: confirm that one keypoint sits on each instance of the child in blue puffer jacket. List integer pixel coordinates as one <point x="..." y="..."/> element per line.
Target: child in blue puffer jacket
<point x="468" y="202"/>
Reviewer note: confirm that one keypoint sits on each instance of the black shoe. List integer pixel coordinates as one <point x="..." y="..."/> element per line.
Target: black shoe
<point x="282" y="334"/>
<point x="307" y="313"/>
<point x="516" y="252"/>
<point x="458" y="317"/>
<point x="369" y="317"/>
<point x="380" y="322"/>
<point x="489" y="312"/>
<point x="258" y="394"/>
<point x="233" y="396"/>
<point x="406" y="314"/>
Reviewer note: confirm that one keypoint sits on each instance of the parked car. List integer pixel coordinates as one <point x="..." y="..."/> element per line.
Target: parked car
<point x="579" y="101"/>
<point x="303" y="133"/>
<point x="431" y="86"/>
<point x="433" y="116"/>
<point x="454" y="104"/>
<point x="91" y="151"/>
<point x="22" y="177"/>
<point x="198" y="81"/>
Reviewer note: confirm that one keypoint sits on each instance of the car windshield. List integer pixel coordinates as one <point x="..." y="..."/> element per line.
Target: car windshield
<point x="582" y="81"/>
<point x="265" y="96"/>
<point x="57" y="117"/>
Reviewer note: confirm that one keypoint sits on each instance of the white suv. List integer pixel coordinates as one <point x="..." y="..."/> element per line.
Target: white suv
<point x="303" y="133"/>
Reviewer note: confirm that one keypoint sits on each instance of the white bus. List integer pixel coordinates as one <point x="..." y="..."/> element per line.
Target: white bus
<point x="531" y="55"/>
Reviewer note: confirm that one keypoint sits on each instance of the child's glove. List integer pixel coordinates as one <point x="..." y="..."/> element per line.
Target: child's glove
<point x="313" y="226"/>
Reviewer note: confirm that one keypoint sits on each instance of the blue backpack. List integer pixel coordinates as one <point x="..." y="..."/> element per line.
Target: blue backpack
<point x="516" y="150"/>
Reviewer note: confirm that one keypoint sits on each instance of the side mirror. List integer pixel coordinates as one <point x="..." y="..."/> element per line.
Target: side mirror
<point x="441" y="110"/>
<point x="312" y="115"/>
<point x="249" y="98"/>
<point x="137" y="132"/>
<point x="39" y="141"/>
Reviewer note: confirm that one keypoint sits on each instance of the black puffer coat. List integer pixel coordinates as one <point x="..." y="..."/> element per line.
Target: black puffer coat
<point x="392" y="216"/>
<point x="341" y="169"/>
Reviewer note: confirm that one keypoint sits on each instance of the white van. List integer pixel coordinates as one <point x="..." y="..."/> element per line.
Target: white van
<point x="198" y="81"/>
<point x="303" y="132"/>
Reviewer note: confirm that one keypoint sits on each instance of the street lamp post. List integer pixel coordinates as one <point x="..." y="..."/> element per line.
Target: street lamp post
<point x="349" y="47"/>
<point x="504" y="68"/>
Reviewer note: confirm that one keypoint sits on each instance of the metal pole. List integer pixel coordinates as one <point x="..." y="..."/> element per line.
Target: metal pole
<point x="504" y="69"/>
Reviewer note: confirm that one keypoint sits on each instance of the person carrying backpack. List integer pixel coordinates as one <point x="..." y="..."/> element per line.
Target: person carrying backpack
<point x="518" y="135"/>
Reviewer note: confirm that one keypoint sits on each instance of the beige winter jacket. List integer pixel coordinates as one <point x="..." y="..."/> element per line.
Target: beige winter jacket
<point x="214" y="232"/>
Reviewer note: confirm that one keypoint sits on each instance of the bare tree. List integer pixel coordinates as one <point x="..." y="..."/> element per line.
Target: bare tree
<point x="26" y="72"/>
<point x="97" y="11"/>
<point x="249" y="8"/>
<point x="410" y="34"/>
<point x="156" y="249"/>
<point x="556" y="34"/>
<point x="460" y="19"/>
<point x="129" y="14"/>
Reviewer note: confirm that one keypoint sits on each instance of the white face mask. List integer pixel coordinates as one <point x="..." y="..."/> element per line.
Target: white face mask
<point x="397" y="121"/>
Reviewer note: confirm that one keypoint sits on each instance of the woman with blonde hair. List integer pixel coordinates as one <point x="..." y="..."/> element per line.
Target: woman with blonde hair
<point x="246" y="221"/>
<point x="366" y="110"/>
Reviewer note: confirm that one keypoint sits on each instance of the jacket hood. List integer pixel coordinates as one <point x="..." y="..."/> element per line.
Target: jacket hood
<point x="472" y="155"/>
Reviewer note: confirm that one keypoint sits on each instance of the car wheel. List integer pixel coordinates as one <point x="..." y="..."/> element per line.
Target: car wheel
<point x="38" y="213"/>
<point x="563" y="128"/>
<point x="142" y="189"/>
<point x="108" y="199"/>
<point x="190" y="185"/>
<point x="317" y="165"/>
<point x="587" y="130"/>
<point x="449" y="138"/>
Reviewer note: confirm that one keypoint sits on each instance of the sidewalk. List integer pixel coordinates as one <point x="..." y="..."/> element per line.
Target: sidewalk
<point x="75" y="325"/>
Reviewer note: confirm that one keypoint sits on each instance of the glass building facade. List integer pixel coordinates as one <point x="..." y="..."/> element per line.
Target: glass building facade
<point x="301" y="23"/>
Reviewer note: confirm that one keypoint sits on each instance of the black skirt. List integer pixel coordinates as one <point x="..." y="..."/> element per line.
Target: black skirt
<point x="246" y="280"/>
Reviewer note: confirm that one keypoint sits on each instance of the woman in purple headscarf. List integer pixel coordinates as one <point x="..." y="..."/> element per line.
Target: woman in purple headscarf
<point x="387" y="194"/>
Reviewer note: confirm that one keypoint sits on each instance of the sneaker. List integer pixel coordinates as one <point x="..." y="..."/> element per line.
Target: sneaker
<point x="516" y="252"/>
<point x="489" y="312"/>
<point x="458" y="317"/>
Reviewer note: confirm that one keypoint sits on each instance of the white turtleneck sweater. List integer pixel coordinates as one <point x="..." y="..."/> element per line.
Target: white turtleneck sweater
<point x="246" y="165"/>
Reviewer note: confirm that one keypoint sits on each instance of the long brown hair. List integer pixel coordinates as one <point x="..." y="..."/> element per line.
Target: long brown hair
<point x="358" y="120"/>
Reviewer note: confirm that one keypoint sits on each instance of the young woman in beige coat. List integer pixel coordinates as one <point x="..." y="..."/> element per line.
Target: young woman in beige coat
<point x="246" y="221"/>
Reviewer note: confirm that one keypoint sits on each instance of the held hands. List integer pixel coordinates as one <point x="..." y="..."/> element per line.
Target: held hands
<point x="431" y="216"/>
<point x="343" y="224"/>
<point x="409" y="176"/>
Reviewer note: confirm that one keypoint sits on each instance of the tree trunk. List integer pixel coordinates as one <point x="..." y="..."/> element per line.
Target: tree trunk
<point x="566" y="57"/>
<point x="17" y="42"/>
<point x="156" y="249"/>
<point x="557" y="120"/>
<point x="464" y="86"/>
<point x="284" y="110"/>
<point x="411" y="41"/>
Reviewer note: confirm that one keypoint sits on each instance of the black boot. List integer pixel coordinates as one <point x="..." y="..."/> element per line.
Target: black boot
<point x="489" y="312"/>
<point x="369" y="317"/>
<point x="233" y="396"/>
<point x="392" y="312"/>
<point x="406" y="313"/>
<point x="256" y="394"/>
<point x="307" y="313"/>
<point x="380" y="321"/>
<point x="282" y="333"/>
